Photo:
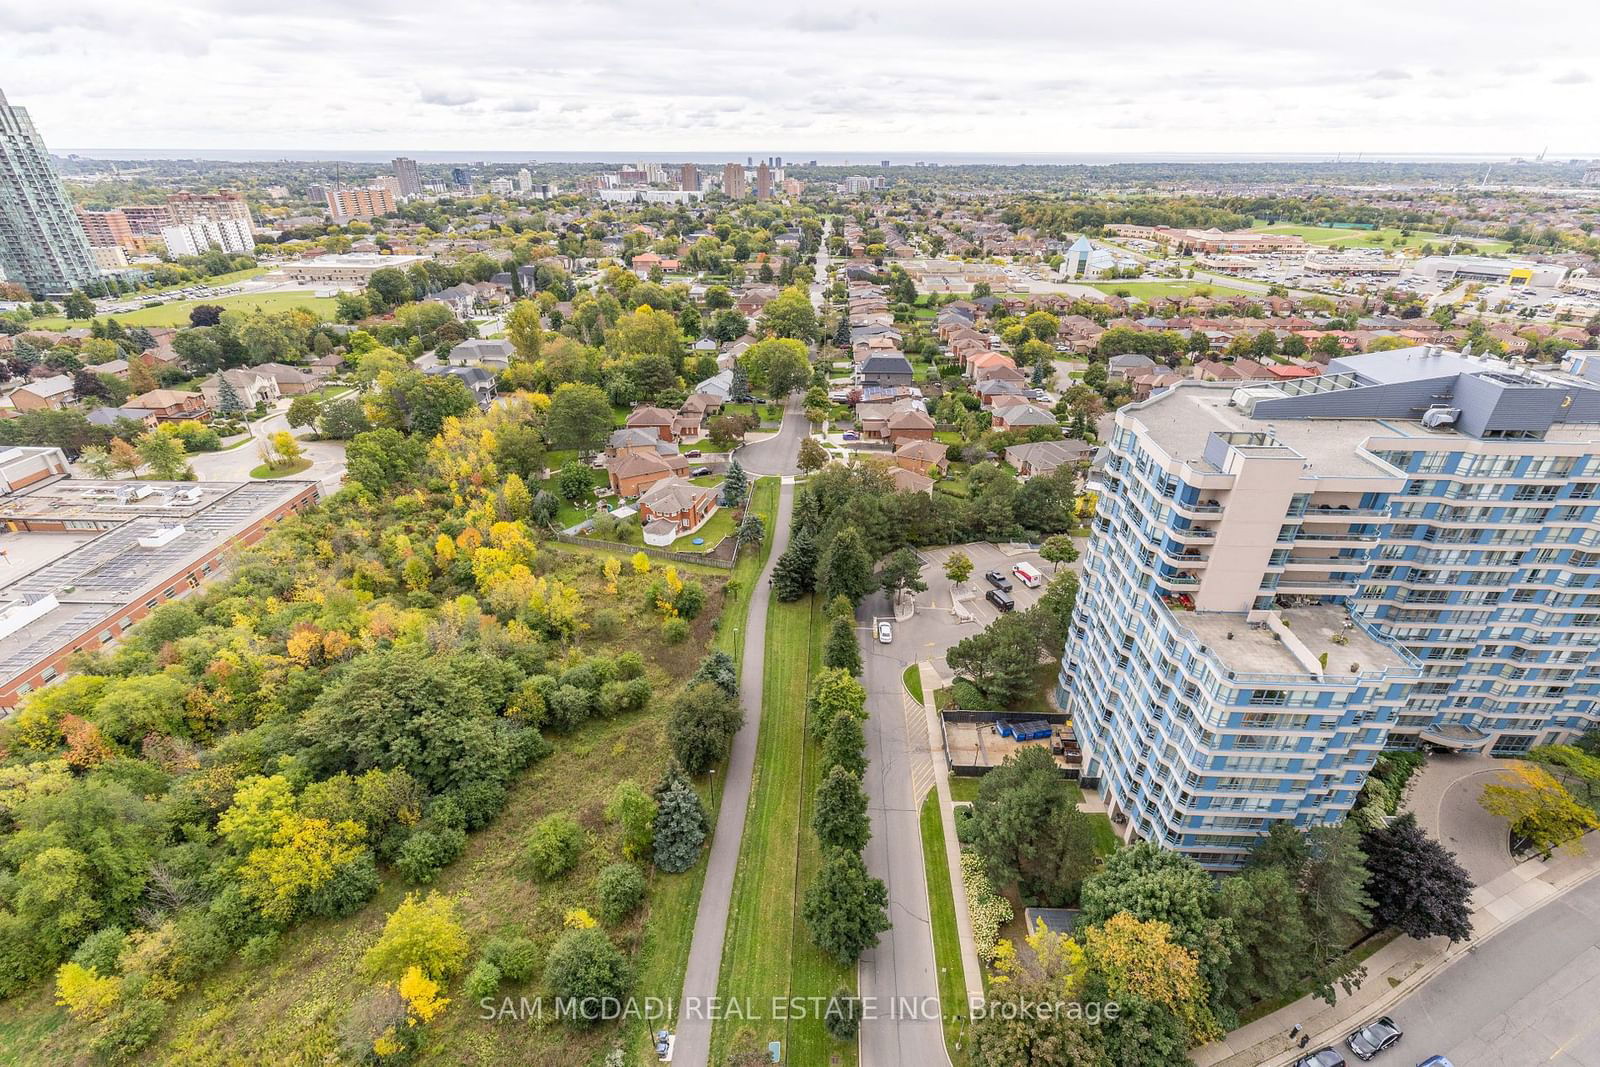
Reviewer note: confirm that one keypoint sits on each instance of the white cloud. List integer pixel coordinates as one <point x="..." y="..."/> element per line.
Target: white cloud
<point x="931" y="76"/>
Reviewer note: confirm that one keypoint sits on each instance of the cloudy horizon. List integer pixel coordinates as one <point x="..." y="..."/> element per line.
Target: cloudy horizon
<point x="624" y="76"/>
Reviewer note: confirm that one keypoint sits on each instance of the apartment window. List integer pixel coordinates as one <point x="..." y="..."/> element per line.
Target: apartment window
<point x="1268" y="697"/>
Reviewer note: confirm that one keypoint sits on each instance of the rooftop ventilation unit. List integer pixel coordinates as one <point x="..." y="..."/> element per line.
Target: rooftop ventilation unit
<point x="1436" y="417"/>
<point x="162" y="535"/>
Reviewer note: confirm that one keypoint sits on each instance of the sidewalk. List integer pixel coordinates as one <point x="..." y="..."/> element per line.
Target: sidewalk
<point x="1401" y="967"/>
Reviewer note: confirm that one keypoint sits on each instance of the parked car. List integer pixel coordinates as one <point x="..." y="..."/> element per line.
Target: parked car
<point x="851" y="435"/>
<point x="998" y="579"/>
<point x="700" y="472"/>
<point x="693" y="453"/>
<point x="1373" y="1038"/>
<point x="1323" y="1057"/>
<point x="1000" y="600"/>
<point x="1436" y="1061"/>
<point x="885" y="633"/>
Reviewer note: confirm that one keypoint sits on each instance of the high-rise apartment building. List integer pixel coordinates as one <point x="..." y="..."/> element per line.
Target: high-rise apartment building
<point x="214" y="207"/>
<point x="405" y="171"/>
<point x="42" y="244"/>
<point x="147" y="220"/>
<point x="524" y="180"/>
<point x="1286" y="579"/>
<point x="763" y="182"/>
<point x="202" y="234"/>
<point x="107" y="229"/>
<point x="689" y="178"/>
<point x="359" y="203"/>
<point x="733" y="183"/>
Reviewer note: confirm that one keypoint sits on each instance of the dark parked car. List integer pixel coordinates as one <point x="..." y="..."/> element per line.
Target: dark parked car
<point x="998" y="579"/>
<point x="693" y="453"/>
<point x="1005" y="603"/>
<point x="1323" y="1057"/>
<point x="1373" y="1038"/>
<point x="700" y="472"/>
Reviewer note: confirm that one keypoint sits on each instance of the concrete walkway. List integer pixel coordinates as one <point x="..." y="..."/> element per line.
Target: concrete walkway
<point x="700" y="977"/>
<point x="970" y="964"/>
<point x="1401" y="967"/>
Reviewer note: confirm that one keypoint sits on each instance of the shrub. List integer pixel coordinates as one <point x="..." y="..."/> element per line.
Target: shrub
<point x="99" y="951"/>
<point x="514" y="956"/>
<point x="988" y="910"/>
<point x="965" y="824"/>
<point x="422" y="932"/>
<point x="674" y="631"/>
<point x="690" y="601"/>
<point x="842" y="1017"/>
<point x="553" y="847"/>
<point x="585" y="968"/>
<point x="260" y="948"/>
<point x="567" y="706"/>
<point x="427" y="850"/>
<point x="483" y="981"/>
<point x="131" y="1026"/>
<point x="621" y="889"/>
<point x="629" y="665"/>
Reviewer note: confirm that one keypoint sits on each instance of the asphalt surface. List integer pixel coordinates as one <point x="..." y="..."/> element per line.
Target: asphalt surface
<point x="1529" y="995"/>
<point x="693" y="1042"/>
<point x="778" y="454"/>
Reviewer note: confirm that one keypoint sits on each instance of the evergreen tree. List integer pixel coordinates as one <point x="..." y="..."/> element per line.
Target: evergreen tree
<point x="1264" y="908"/>
<point x="841" y="336"/>
<point x="844" y="569"/>
<point x="228" y="401"/>
<point x="739" y="388"/>
<point x="1415" y="882"/>
<point x="795" y="573"/>
<point x="735" y="483"/>
<point x="839" y="817"/>
<point x="681" y="822"/>
<point x="842" y="649"/>
<point x="845" y="907"/>
<point x="751" y="529"/>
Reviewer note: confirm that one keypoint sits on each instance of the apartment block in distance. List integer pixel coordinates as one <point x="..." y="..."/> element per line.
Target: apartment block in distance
<point x="360" y="203"/>
<point x="42" y="244"/>
<point x="405" y="172"/>
<point x="733" y="183"/>
<point x="87" y="559"/>
<point x="1286" y="579"/>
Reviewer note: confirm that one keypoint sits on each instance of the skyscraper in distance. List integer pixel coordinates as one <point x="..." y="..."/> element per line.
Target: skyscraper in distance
<point x="763" y="182"/>
<point x="733" y="184"/>
<point x="406" y="171"/>
<point x="689" y="178"/>
<point x="42" y="243"/>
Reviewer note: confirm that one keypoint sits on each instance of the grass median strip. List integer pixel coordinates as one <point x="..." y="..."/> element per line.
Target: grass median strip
<point x="946" y="938"/>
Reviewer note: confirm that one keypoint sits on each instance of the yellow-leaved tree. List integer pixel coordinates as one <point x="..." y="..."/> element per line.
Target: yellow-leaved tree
<point x="84" y="992"/>
<point x="423" y="933"/>
<point x="1138" y="959"/>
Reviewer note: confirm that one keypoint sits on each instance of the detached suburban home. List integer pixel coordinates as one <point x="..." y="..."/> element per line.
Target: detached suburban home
<point x="638" y="459"/>
<point x="653" y="419"/>
<point x="885" y="368"/>
<point x="1044" y="457"/>
<point x="292" y="381"/>
<point x="169" y="404"/>
<point x="483" y="353"/>
<point x="921" y="456"/>
<point x="674" y="507"/>
<point x="910" y="426"/>
<point x="46" y="394"/>
<point x="250" y="385"/>
<point x="1020" y="416"/>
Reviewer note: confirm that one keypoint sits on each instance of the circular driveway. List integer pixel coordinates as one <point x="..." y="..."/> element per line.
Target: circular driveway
<point x="1445" y="800"/>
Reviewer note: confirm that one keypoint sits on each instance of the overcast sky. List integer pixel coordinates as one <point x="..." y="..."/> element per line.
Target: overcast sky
<point x="623" y="75"/>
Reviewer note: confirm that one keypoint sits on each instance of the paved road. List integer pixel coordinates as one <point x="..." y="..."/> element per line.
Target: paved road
<point x="711" y="921"/>
<point x="901" y="969"/>
<point x="235" y="464"/>
<point x="779" y="453"/>
<point x="1527" y="996"/>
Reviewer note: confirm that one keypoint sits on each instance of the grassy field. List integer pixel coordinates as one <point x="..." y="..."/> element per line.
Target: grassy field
<point x="288" y="1009"/>
<point x="1338" y="237"/>
<point x="747" y="571"/>
<point x="1169" y="290"/>
<point x="176" y="313"/>
<point x="946" y="939"/>
<point x="767" y="952"/>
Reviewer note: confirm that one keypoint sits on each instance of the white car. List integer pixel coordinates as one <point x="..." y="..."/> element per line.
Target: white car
<point x="885" y="633"/>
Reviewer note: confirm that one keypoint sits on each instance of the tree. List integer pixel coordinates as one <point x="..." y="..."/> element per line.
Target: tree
<point x="1264" y="909"/>
<point x="739" y="387"/>
<point x="844" y="569"/>
<point x="579" y="417"/>
<point x="287" y="448"/>
<point x="958" y="567"/>
<point x="704" y="720"/>
<point x="1541" y="811"/>
<point x="901" y="572"/>
<point x="304" y="410"/>
<point x="794" y="575"/>
<point x="1333" y="887"/>
<point x="585" y="969"/>
<point x="619" y="889"/>
<point x="1027" y="829"/>
<point x="780" y="363"/>
<point x="1058" y="550"/>
<point x="163" y="454"/>
<point x="1416" y="884"/>
<point x="524" y="329"/>
<point x="228" y="400"/>
<point x="635" y="812"/>
<point x="842" y="650"/>
<point x="553" y="846"/>
<point x="421" y="933"/>
<point x="845" y="745"/>
<point x="751" y="530"/>
<point x="813" y="457"/>
<point x="680" y="824"/>
<point x="205" y="314"/>
<point x="790" y="315"/>
<point x="573" y="481"/>
<point x="839" y="814"/>
<point x="735" y="486"/>
<point x="418" y="404"/>
<point x="97" y="461"/>
<point x="78" y="306"/>
<point x="1130" y="957"/>
<point x="845" y="908"/>
<point x="1000" y="659"/>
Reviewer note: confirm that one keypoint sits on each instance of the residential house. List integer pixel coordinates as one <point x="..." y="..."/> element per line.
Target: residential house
<point x="910" y="481"/>
<point x="673" y="507"/>
<point x="1021" y="416"/>
<point x="909" y="426"/>
<point x="922" y="456"/>
<point x="252" y="387"/>
<point x="637" y="459"/>
<point x="483" y="353"/>
<point x="171" y="404"/>
<point x="1044" y="457"/>
<point x="328" y="365"/>
<point x="480" y="381"/>
<point x="992" y="393"/>
<point x="1128" y="364"/>
<point x="45" y="394"/>
<point x="292" y="381"/>
<point x="874" y="416"/>
<point x="107" y="417"/>
<point x="886" y="369"/>
<point x="719" y="386"/>
<point x="658" y="420"/>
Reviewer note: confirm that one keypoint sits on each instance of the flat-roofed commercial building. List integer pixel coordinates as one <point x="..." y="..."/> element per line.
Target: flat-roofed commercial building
<point x="350" y="269"/>
<point x="94" y="557"/>
<point x="1287" y="578"/>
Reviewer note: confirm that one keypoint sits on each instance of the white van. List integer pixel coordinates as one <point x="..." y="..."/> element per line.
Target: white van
<point x="1028" y="575"/>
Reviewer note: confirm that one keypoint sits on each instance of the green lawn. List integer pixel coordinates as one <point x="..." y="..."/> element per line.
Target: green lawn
<point x="1179" y="290"/>
<point x="720" y="525"/>
<point x="1339" y="237"/>
<point x="216" y="279"/>
<point x="946" y="938"/>
<point x="176" y="313"/>
<point x="767" y="952"/>
<point x="964" y="790"/>
<point x="268" y="471"/>
<point x="913" y="680"/>
<point x="746" y="572"/>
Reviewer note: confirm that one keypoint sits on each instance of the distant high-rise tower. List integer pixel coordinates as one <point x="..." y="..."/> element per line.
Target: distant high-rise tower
<point x="406" y="171"/>
<point x="524" y="180"/>
<point x="42" y="243"/>
<point x="460" y="176"/>
<point x="733" y="181"/>
<point x="689" y="178"/>
<point x="763" y="182"/>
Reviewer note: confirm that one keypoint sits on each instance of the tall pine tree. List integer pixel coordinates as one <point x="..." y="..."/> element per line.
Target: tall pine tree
<point x="795" y="573"/>
<point x="681" y="822"/>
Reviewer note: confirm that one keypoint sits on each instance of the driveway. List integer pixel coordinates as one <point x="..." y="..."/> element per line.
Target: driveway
<point x="235" y="464"/>
<point x="1444" y="796"/>
<point x="711" y="920"/>
<point x="780" y="453"/>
